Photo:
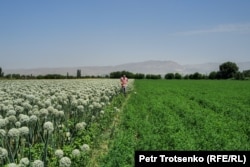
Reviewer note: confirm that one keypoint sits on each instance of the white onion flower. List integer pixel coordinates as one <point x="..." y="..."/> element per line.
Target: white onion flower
<point x="24" y="119"/>
<point x="2" y="123"/>
<point x="80" y="125"/>
<point x="47" y="103"/>
<point x="48" y="126"/>
<point x="80" y="108"/>
<point x="12" y="165"/>
<point x="106" y="98"/>
<point x="76" y="153"/>
<point x="6" y="121"/>
<point x="36" y="113"/>
<point x="12" y="118"/>
<point x="85" y="102"/>
<point x="64" y="162"/>
<point x="67" y="134"/>
<point x="74" y="103"/>
<point x="61" y="113"/>
<point x="24" y="162"/>
<point x="59" y="107"/>
<point x="33" y="119"/>
<point x="85" y="147"/>
<point x="91" y="106"/>
<point x="61" y="126"/>
<point x="59" y="153"/>
<point x="38" y="163"/>
<point x="3" y="153"/>
<point x="44" y="112"/>
<point x="55" y="112"/>
<point x="19" y="109"/>
<point x="11" y="112"/>
<point x="18" y="124"/>
<point x="24" y="131"/>
<point x="2" y="132"/>
<point x="27" y="106"/>
<point x="50" y="109"/>
<point x="13" y="133"/>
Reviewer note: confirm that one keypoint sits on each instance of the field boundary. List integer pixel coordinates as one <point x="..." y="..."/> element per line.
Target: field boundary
<point x="107" y="137"/>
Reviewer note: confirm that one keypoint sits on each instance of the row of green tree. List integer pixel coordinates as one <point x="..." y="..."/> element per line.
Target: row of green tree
<point x="227" y="70"/>
<point x="48" y="76"/>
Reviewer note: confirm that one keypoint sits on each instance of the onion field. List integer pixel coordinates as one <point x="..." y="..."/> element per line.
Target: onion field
<point x="54" y="122"/>
<point x="182" y="115"/>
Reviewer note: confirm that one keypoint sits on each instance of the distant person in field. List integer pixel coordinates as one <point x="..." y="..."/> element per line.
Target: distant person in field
<point x="124" y="82"/>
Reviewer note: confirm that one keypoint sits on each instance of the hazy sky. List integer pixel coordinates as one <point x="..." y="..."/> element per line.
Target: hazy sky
<point x="67" y="33"/>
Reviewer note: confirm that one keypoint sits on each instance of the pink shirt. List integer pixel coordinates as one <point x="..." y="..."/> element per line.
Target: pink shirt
<point x="124" y="81"/>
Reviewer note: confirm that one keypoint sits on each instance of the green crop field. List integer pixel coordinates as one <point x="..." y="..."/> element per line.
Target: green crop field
<point x="181" y="115"/>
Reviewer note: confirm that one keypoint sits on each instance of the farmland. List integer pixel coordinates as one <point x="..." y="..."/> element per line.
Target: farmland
<point x="54" y="122"/>
<point x="182" y="115"/>
<point x="88" y="122"/>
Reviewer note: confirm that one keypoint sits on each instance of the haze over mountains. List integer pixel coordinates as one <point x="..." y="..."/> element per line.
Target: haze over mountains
<point x="146" y="67"/>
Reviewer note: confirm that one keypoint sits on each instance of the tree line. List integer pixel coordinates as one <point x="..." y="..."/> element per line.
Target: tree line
<point x="227" y="70"/>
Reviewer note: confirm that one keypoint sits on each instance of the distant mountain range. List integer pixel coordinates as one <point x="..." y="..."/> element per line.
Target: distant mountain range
<point x="146" y="67"/>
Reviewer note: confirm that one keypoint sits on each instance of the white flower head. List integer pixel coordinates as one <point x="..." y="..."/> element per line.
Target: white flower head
<point x="3" y="153"/>
<point x="80" y="126"/>
<point x="2" y="132"/>
<point x="64" y="162"/>
<point x="12" y="165"/>
<point x="11" y="112"/>
<point x="61" y="113"/>
<point x="80" y="108"/>
<point x="59" y="153"/>
<point x="85" y="147"/>
<point x="13" y="133"/>
<point x="3" y="123"/>
<point x="33" y="119"/>
<point x="24" y="162"/>
<point x="48" y="126"/>
<point x="76" y="153"/>
<point x="24" y="119"/>
<point x="67" y="134"/>
<point x="43" y="112"/>
<point x="12" y="118"/>
<point x="38" y="163"/>
<point x="18" y="124"/>
<point x="24" y="131"/>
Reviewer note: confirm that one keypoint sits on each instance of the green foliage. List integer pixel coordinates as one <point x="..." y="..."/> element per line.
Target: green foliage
<point x="212" y="75"/>
<point x="153" y="76"/>
<point x="1" y="72"/>
<point x="228" y="69"/>
<point x="246" y="73"/>
<point x="139" y="76"/>
<point x="182" y="115"/>
<point x="78" y="73"/>
<point x="118" y="74"/>
<point x="169" y="76"/>
<point x="196" y="75"/>
<point x="239" y="76"/>
<point x="177" y="76"/>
